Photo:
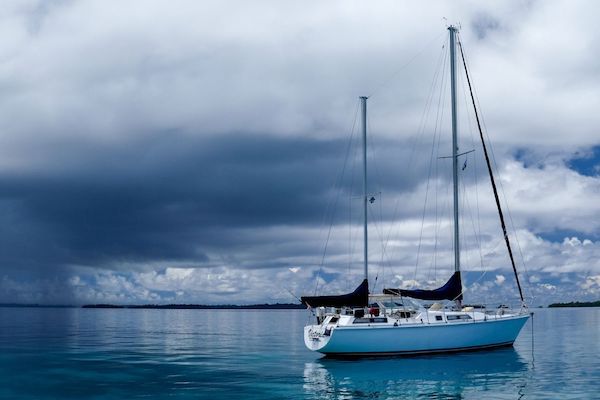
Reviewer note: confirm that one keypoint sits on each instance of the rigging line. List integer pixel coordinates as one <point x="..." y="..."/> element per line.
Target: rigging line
<point x="492" y="178"/>
<point x="473" y="96"/>
<point x="292" y="294"/>
<point x="381" y="238"/>
<point x="435" y="224"/>
<point x="349" y="241"/>
<point x="476" y="173"/>
<point x="463" y="234"/>
<point x="467" y="205"/>
<point x="351" y="244"/>
<point x="372" y="149"/>
<point x="436" y="134"/>
<point x="523" y="262"/>
<point x="384" y="260"/>
<point x="512" y="224"/>
<point x="413" y="58"/>
<point x="338" y="180"/>
<point x="485" y="269"/>
<point x="477" y="238"/>
<point x="352" y="247"/>
<point x="436" y="220"/>
<point x="477" y="232"/>
<point x="438" y="128"/>
<point x="370" y="210"/>
<point x="476" y="281"/>
<point x="421" y="129"/>
<point x="378" y="176"/>
<point x="336" y="201"/>
<point x="494" y="247"/>
<point x="436" y="191"/>
<point x="424" y="207"/>
<point x="445" y="204"/>
<point x="503" y="194"/>
<point x="443" y="215"/>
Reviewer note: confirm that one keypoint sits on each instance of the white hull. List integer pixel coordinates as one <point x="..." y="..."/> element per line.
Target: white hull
<point x="418" y="338"/>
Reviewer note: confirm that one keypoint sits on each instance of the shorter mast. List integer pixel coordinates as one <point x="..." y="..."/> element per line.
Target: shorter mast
<point x="363" y="103"/>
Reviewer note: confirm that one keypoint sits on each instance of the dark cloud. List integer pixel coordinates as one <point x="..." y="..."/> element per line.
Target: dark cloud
<point x="173" y="196"/>
<point x="483" y="24"/>
<point x="135" y="140"/>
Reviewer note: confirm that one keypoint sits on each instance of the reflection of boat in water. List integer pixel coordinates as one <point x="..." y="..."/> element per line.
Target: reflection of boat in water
<point x="362" y="323"/>
<point x="435" y="376"/>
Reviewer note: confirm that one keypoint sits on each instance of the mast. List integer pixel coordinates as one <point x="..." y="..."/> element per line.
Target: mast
<point x="452" y="31"/>
<point x="363" y="103"/>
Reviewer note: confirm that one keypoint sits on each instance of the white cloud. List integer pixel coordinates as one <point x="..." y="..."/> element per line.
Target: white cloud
<point x="592" y="284"/>
<point x="83" y="71"/>
<point x="552" y="197"/>
<point x="547" y="286"/>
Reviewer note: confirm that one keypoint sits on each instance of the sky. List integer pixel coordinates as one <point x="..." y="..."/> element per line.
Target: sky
<point x="207" y="152"/>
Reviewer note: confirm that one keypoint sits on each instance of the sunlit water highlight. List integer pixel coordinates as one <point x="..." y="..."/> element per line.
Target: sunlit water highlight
<point x="217" y="354"/>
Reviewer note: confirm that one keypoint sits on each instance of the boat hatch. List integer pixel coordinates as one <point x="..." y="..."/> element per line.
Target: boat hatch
<point x="376" y="320"/>
<point x="457" y="317"/>
<point x="403" y="314"/>
<point x="392" y="304"/>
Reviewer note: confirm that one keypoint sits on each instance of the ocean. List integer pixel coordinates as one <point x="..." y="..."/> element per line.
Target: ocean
<point x="74" y="353"/>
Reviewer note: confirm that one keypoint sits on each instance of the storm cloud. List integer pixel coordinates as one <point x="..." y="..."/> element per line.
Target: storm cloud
<point x="200" y="152"/>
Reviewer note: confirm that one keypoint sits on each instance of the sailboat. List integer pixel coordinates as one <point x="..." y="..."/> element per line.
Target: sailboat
<point x="397" y="322"/>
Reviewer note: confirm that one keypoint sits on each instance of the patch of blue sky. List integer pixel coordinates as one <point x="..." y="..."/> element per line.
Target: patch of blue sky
<point x="524" y="156"/>
<point x="559" y="235"/>
<point x="586" y="163"/>
<point x="326" y="276"/>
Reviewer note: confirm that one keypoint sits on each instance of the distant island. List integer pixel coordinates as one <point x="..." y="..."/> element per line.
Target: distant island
<point x="276" y="306"/>
<point x="35" y="305"/>
<point x="576" y="304"/>
<point x="265" y="306"/>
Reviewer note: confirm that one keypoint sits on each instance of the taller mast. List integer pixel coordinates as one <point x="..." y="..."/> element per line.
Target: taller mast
<point x="452" y="31"/>
<point x="363" y="103"/>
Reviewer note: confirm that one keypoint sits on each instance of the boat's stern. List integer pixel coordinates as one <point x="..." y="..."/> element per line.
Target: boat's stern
<point x="316" y="337"/>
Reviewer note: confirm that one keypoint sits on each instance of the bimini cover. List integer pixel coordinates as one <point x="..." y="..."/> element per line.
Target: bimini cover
<point x="452" y="290"/>
<point x="358" y="298"/>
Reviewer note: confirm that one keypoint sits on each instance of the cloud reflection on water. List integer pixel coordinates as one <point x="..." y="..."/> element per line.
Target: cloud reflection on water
<point x="454" y="376"/>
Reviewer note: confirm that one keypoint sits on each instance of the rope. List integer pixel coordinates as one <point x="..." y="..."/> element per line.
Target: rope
<point x="492" y="178"/>
<point x="336" y="201"/>
<point x="413" y="58"/>
<point x="495" y="163"/>
<point x="439" y="116"/>
<point x="419" y="135"/>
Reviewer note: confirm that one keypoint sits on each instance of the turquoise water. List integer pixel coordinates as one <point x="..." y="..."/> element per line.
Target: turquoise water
<point x="220" y="354"/>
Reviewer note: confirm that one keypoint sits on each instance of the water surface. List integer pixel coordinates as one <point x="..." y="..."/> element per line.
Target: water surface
<point x="240" y="354"/>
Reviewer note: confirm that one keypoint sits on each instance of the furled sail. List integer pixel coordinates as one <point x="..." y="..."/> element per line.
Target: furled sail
<point x="358" y="298"/>
<point x="452" y="290"/>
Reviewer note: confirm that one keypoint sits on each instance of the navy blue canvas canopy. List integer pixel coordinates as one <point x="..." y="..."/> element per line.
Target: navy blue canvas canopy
<point x="452" y="290"/>
<point x="358" y="298"/>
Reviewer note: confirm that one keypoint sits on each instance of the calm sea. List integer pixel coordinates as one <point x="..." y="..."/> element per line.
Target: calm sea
<point x="222" y="354"/>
